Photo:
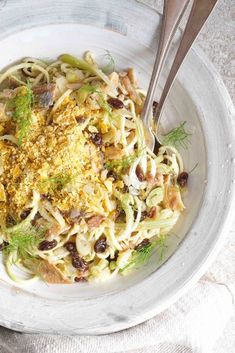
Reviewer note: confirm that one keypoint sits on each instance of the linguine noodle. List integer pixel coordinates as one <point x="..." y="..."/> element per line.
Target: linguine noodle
<point x="81" y="195"/>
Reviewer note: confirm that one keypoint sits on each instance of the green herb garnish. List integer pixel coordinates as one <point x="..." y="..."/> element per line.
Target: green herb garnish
<point x="110" y="66"/>
<point x="22" y="111"/>
<point x="104" y="105"/>
<point x="56" y="182"/>
<point x="142" y="256"/>
<point x="119" y="165"/>
<point x="23" y="242"/>
<point x="84" y="91"/>
<point x="177" y="137"/>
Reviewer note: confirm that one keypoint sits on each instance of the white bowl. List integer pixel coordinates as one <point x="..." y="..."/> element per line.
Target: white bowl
<point x="198" y="96"/>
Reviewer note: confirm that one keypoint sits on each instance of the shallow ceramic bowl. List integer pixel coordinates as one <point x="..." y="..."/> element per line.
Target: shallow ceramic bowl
<point x="129" y="31"/>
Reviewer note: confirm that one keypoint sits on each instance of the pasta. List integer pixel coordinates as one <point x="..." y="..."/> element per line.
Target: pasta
<point x="82" y="198"/>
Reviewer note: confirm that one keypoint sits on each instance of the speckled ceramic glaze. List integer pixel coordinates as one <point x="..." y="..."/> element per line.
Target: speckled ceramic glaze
<point x="129" y="31"/>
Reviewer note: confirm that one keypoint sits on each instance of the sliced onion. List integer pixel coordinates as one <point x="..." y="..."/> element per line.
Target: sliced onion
<point x="155" y="197"/>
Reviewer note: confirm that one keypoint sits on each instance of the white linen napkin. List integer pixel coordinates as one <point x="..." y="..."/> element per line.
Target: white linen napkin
<point x="192" y="325"/>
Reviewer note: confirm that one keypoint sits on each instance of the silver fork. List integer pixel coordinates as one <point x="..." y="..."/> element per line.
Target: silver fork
<point x="172" y="14"/>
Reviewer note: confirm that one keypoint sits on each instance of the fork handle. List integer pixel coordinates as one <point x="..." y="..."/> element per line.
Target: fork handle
<point x="200" y="11"/>
<point x="172" y="14"/>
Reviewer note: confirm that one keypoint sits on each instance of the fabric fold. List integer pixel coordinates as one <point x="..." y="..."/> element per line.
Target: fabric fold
<point x="192" y="324"/>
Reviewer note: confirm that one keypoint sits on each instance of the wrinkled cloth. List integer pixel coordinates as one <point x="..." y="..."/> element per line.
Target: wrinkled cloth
<point x="191" y="325"/>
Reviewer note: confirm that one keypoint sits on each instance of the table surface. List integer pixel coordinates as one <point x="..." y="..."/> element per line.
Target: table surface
<point x="217" y="40"/>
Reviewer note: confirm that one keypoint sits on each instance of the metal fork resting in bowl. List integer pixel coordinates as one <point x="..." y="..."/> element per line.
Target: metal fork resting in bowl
<point x="172" y="14"/>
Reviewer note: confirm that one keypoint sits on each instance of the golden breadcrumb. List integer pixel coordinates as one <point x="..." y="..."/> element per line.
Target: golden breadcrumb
<point x="57" y="156"/>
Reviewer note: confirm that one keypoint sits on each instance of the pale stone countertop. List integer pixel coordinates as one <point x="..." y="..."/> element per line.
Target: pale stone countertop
<point x="217" y="40"/>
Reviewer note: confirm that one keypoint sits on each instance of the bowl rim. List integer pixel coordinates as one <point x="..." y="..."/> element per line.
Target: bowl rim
<point x="182" y="286"/>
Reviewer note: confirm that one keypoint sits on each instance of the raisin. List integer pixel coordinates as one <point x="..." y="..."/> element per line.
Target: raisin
<point x="24" y="214"/>
<point x="115" y="103"/>
<point x="112" y="174"/>
<point x="139" y="173"/>
<point x="80" y="279"/>
<point x="71" y="247"/>
<point x="79" y="263"/>
<point x="96" y="138"/>
<point x="141" y="245"/>
<point x="47" y="245"/>
<point x="100" y="245"/>
<point x="182" y="179"/>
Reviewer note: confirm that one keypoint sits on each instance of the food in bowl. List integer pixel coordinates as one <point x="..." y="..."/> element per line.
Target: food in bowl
<point x="82" y="197"/>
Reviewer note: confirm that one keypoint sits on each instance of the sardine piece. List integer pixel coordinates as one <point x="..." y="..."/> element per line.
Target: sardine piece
<point x="44" y="95"/>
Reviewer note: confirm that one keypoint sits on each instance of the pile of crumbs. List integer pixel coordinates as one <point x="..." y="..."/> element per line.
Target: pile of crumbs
<point x="59" y="160"/>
